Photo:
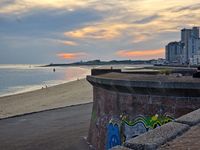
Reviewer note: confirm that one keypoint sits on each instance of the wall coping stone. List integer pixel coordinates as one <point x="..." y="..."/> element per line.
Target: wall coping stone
<point x="155" y="138"/>
<point x="191" y="119"/>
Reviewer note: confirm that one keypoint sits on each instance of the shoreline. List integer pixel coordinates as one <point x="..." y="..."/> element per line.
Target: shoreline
<point x="23" y="81"/>
<point x="36" y="88"/>
<point x="58" y="96"/>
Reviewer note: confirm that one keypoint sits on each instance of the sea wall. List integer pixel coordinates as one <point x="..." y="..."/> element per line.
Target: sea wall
<point x="127" y="105"/>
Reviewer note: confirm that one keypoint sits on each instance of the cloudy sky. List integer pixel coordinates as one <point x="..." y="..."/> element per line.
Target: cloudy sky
<point x="57" y="31"/>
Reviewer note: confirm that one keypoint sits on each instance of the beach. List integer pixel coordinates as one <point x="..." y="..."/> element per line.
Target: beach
<point x="67" y="94"/>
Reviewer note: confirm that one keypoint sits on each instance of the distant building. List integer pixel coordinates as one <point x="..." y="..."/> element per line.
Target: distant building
<point x="174" y="52"/>
<point x="187" y="51"/>
<point x="160" y="61"/>
<point x="196" y="55"/>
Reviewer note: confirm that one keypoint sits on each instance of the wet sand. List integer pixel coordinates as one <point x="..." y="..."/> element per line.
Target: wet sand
<point x="72" y="93"/>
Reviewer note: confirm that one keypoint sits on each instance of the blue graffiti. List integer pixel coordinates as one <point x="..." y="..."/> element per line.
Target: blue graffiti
<point x="113" y="136"/>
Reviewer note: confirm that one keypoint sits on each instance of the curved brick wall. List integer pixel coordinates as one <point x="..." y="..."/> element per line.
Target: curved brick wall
<point x="127" y="105"/>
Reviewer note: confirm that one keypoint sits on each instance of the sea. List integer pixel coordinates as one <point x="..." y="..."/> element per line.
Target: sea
<point x="15" y="79"/>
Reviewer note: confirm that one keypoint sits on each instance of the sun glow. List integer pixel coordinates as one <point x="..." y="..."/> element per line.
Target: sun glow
<point x="71" y="55"/>
<point x="138" y="54"/>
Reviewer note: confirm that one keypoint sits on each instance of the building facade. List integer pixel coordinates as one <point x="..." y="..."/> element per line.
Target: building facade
<point x="186" y="51"/>
<point x="174" y="52"/>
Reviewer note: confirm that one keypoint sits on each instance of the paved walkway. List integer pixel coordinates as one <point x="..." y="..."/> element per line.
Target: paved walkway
<point x="59" y="129"/>
<point x="190" y="140"/>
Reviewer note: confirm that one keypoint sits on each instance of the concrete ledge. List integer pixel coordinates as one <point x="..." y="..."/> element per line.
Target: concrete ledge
<point x="148" y="84"/>
<point x="155" y="138"/>
<point x="120" y="148"/>
<point x="191" y="119"/>
<point x="141" y="80"/>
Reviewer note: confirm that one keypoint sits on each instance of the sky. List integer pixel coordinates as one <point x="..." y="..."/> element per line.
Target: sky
<point x="64" y="31"/>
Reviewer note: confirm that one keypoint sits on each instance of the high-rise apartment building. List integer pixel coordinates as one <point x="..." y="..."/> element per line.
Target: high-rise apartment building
<point x="187" y="51"/>
<point x="174" y="52"/>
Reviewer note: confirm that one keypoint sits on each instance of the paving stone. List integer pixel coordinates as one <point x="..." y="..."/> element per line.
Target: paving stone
<point x="191" y="119"/>
<point x="155" y="138"/>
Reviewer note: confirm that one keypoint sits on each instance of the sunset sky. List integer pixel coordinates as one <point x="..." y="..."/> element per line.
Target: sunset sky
<point x="57" y="31"/>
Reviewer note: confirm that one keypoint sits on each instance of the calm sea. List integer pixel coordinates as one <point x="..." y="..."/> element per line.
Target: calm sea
<point x="22" y="78"/>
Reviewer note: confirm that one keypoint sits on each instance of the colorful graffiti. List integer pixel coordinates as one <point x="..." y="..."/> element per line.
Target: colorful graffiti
<point x="113" y="135"/>
<point x="118" y="131"/>
<point x="142" y="124"/>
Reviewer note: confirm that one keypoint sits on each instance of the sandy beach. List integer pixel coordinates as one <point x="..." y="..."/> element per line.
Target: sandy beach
<point x="71" y="93"/>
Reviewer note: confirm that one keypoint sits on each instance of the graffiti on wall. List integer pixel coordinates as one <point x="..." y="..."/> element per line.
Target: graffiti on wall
<point x="142" y="124"/>
<point x="120" y="130"/>
<point x="113" y="135"/>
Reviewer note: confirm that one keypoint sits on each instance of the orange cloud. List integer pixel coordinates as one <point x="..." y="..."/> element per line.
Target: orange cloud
<point x="71" y="55"/>
<point x="102" y="32"/>
<point x="141" y="37"/>
<point x="141" y="54"/>
<point x="68" y="43"/>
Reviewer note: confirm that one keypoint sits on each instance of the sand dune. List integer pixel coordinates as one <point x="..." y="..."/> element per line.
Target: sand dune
<point x="72" y="93"/>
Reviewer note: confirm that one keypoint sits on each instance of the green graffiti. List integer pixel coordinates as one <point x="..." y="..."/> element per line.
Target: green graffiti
<point x="149" y="122"/>
<point x="131" y="128"/>
<point x="140" y="125"/>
